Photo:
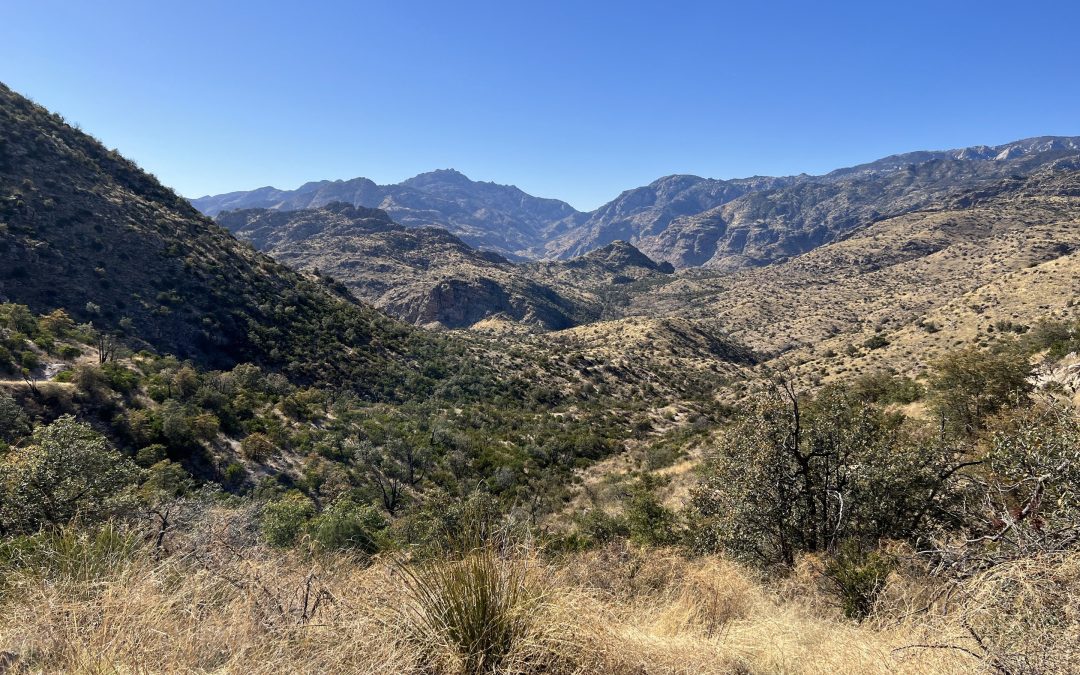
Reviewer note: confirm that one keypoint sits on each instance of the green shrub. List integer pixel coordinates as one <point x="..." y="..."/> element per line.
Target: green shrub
<point x="346" y="525"/>
<point x="67" y="470"/>
<point x="283" y="521"/>
<point x="257" y="447"/>
<point x="859" y="577"/>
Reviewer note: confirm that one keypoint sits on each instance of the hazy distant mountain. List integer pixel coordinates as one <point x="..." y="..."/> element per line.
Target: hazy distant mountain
<point x="428" y="276"/>
<point x="687" y="220"/>
<point x="485" y="215"/>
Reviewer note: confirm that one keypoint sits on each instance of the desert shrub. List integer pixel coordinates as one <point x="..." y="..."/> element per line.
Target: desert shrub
<point x="647" y="519"/>
<point x="476" y="608"/>
<point x="884" y="387"/>
<point x="859" y="576"/>
<point x="876" y="341"/>
<point x="599" y="526"/>
<point x="150" y="455"/>
<point x="257" y="447"/>
<point x="1033" y="487"/>
<point x="972" y="384"/>
<point x="795" y="475"/>
<point x="346" y="525"/>
<point x="14" y="423"/>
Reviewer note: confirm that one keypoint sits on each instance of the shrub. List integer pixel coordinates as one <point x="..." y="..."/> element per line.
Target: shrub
<point x="257" y="447"/>
<point x="68" y="470"/>
<point x="283" y="521"/>
<point x="859" y="577"/>
<point x="346" y="525"/>
<point x="972" y="384"/>
<point x="475" y="607"/>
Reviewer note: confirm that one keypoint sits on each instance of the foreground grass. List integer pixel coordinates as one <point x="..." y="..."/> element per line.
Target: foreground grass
<point x="218" y="604"/>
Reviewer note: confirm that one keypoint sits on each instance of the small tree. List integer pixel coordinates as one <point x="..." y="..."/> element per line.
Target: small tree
<point x="972" y="384"/>
<point x="68" y="471"/>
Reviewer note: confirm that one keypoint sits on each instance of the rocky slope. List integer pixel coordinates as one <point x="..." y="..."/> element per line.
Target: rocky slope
<point x="428" y="276"/>
<point x="777" y="218"/>
<point x="495" y="217"/>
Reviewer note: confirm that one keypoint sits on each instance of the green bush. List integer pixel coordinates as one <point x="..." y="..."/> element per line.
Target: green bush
<point x="859" y="577"/>
<point x="283" y="521"/>
<point x="346" y="525"/>
<point x="68" y="470"/>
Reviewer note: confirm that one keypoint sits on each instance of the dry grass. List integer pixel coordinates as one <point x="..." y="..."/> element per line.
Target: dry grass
<point x="224" y="609"/>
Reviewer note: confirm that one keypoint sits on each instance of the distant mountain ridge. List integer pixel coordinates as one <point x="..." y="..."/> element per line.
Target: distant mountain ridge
<point x="686" y="220"/>
<point x="502" y="218"/>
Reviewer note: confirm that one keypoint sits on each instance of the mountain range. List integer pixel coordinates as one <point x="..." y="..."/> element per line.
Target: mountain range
<point x="686" y="220"/>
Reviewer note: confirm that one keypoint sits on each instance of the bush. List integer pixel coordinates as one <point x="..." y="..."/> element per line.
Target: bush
<point x="283" y="521"/>
<point x="970" y="385"/>
<point x="346" y="525"/>
<point x="68" y="470"/>
<point x="859" y="577"/>
<point x="257" y="447"/>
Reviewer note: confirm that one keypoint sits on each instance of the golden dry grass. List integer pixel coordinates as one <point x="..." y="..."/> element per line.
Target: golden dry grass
<point x="616" y="610"/>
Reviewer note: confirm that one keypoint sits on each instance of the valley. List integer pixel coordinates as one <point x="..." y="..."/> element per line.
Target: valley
<point x="772" y="424"/>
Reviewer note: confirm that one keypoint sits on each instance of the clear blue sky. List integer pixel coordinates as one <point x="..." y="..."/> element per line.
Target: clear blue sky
<point x="575" y="100"/>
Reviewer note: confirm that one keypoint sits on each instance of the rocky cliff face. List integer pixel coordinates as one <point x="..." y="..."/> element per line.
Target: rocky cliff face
<point x="766" y="220"/>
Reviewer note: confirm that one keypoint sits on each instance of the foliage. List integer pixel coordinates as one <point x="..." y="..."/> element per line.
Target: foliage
<point x="67" y="471"/>
<point x="859" y="576"/>
<point x="283" y="521"/>
<point x="797" y="475"/>
<point x="346" y="525"/>
<point x="972" y="384"/>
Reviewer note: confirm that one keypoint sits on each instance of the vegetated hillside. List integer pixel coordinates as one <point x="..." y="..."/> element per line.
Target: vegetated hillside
<point x="430" y="277"/>
<point x="85" y="230"/>
<point x="486" y="215"/>
<point x="916" y="282"/>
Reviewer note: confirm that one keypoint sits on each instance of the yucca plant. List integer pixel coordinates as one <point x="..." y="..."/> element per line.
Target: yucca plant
<point x="475" y="605"/>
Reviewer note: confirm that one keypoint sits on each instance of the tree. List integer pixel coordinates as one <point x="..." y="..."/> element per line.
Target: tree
<point x="68" y="471"/>
<point x="795" y="474"/>
<point x="972" y="384"/>
<point x="14" y="423"/>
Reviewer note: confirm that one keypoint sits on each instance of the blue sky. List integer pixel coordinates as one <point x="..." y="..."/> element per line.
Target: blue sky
<point x="575" y="100"/>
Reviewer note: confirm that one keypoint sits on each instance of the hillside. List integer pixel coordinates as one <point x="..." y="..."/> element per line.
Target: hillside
<point x="486" y="215"/>
<point x="429" y="277"/>
<point x="921" y="281"/>
<point x="85" y="230"/>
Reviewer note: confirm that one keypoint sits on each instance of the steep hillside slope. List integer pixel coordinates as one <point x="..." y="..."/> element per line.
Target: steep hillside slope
<point x="83" y="229"/>
<point x="428" y="276"/>
<point x="486" y="215"/>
